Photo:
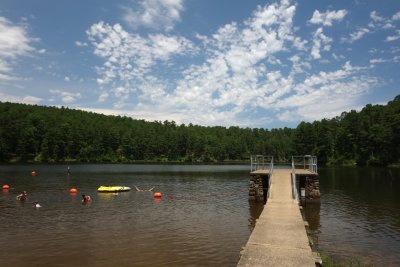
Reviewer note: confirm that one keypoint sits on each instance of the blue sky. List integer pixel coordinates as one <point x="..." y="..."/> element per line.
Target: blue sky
<point x="228" y="62"/>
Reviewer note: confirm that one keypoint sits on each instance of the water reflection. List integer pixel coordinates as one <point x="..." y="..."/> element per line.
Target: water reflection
<point x="311" y="213"/>
<point x="202" y="218"/>
<point x="359" y="214"/>
<point x="255" y="209"/>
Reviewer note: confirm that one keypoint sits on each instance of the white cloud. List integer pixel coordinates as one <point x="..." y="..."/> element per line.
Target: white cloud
<point x="28" y="99"/>
<point x="67" y="79"/>
<point x="121" y="92"/>
<point x="379" y="22"/>
<point x="377" y="61"/>
<point x="217" y="91"/>
<point x="4" y="66"/>
<point x="234" y="77"/>
<point x="129" y="56"/>
<point x="14" y="40"/>
<point x="327" y="18"/>
<point x="80" y="44"/>
<point x="158" y="14"/>
<point x="394" y="37"/>
<point x="251" y="67"/>
<point x="5" y="77"/>
<point x="103" y="97"/>
<point x="396" y="16"/>
<point x="375" y="17"/>
<point x="357" y="35"/>
<point x="320" y="42"/>
<point x="382" y="23"/>
<point x="14" y="43"/>
<point x="321" y="95"/>
<point x="66" y="97"/>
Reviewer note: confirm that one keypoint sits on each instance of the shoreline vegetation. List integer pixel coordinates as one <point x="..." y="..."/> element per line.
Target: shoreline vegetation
<point x="39" y="134"/>
<point x="138" y="162"/>
<point x="345" y="262"/>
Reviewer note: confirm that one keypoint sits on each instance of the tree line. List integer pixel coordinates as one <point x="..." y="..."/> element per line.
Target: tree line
<point x="31" y="133"/>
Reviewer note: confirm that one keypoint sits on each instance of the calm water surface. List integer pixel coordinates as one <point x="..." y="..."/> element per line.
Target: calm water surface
<point x="359" y="214"/>
<point x="203" y="218"/>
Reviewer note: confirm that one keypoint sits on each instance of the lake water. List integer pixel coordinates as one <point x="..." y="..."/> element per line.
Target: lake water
<point x="203" y="218"/>
<point x="359" y="214"/>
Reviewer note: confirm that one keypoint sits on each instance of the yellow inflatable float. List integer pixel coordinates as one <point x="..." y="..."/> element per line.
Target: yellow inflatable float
<point x="113" y="189"/>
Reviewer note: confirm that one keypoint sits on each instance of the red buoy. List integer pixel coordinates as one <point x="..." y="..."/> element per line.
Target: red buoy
<point x="6" y="187"/>
<point x="73" y="190"/>
<point x="33" y="173"/>
<point x="157" y="195"/>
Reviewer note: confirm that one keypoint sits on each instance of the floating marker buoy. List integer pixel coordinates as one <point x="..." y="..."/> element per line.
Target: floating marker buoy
<point x="33" y="173"/>
<point x="157" y="195"/>
<point x="73" y="190"/>
<point x="6" y="187"/>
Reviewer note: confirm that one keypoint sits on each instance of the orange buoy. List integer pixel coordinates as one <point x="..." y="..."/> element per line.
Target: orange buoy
<point x="73" y="190"/>
<point x="157" y="195"/>
<point x="33" y="173"/>
<point x="6" y="187"/>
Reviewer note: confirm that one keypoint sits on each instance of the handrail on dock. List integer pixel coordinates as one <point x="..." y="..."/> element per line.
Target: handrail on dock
<point x="261" y="162"/>
<point x="307" y="162"/>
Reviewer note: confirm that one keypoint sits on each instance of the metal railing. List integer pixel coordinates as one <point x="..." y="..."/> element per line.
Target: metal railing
<point x="261" y="162"/>
<point x="269" y="182"/>
<point x="294" y="187"/>
<point x="306" y="162"/>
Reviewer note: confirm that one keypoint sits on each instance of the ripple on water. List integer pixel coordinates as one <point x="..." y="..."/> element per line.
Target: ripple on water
<point x="351" y="226"/>
<point x="201" y="220"/>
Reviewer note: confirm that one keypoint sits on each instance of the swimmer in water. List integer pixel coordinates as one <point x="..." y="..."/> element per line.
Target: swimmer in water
<point x="36" y="205"/>
<point x="86" y="199"/>
<point x="22" y="196"/>
<point x="141" y="190"/>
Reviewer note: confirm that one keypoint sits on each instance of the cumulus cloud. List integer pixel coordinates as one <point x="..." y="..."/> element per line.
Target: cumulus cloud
<point x="66" y="97"/>
<point x="375" y="17"/>
<point x="327" y="18"/>
<point x="5" y="77"/>
<point x="14" y="43"/>
<point x="396" y="16"/>
<point x="375" y="61"/>
<point x="357" y="35"/>
<point x="321" y="95"/>
<point x="129" y="56"/>
<point x="394" y="37"/>
<point x="379" y="22"/>
<point x="28" y="99"/>
<point x="80" y="44"/>
<point x="320" y="42"/>
<point x="103" y="97"/>
<point x="232" y="75"/>
<point x="250" y="67"/>
<point x="158" y="14"/>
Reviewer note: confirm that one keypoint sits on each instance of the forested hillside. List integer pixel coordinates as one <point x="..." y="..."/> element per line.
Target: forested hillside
<point x="48" y="134"/>
<point x="368" y="137"/>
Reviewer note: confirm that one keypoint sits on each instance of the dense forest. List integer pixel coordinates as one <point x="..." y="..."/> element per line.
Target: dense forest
<point x="48" y="134"/>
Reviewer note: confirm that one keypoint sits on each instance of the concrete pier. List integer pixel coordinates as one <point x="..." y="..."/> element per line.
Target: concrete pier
<point x="279" y="237"/>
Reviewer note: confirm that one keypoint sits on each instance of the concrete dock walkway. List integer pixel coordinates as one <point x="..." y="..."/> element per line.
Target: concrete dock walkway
<point x="279" y="237"/>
